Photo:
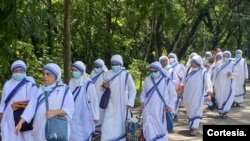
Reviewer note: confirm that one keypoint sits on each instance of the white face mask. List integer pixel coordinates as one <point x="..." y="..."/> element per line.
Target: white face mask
<point x="171" y="60"/>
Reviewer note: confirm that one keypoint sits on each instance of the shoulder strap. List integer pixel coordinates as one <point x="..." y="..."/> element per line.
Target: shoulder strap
<point x="47" y="94"/>
<point x="237" y="61"/>
<point x="79" y="89"/>
<point x="188" y="70"/>
<point x="66" y="91"/>
<point x="46" y="101"/>
<point x="97" y="76"/>
<point x="158" y="92"/>
<point x="13" y="92"/>
<point x="113" y="77"/>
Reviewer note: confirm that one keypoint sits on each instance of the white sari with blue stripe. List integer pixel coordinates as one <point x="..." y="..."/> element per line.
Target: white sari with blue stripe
<point x="24" y="92"/>
<point x="196" y="83"/>
<point x="86" y="111"/>
<point x="123" y="93"/>
<point x="154" y="117"/>
<point x="97" y="79"/>
<point x="240" y="80"/>
<point x="36" y="108"/>
<point x="224" y="86"/>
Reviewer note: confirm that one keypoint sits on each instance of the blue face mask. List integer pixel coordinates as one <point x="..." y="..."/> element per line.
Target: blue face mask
<point x="166" y="68"/>
<point x="18" y="76"/>
<point x="116" y="68"/>
<point x="225" y="59"/>
<point x="76" y="74"/>
<point x="97" y="70"/>
<point x="46" y="88"/>
<point x="237" y="56"/>
<point x="155" y="74"/>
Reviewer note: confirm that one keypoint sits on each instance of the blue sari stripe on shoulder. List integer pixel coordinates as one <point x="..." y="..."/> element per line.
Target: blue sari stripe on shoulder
<point x="76" y="92"/>
<point x="94" y="79"/>
<point x="13" y="92"/>
<point x="41" y="97"/>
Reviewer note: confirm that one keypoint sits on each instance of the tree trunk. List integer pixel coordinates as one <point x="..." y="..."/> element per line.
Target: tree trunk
<point x="158" y="40"/>
<point x="66" y="41"/>
<point x="191" y="35"/>
<point x="49" y="30"/>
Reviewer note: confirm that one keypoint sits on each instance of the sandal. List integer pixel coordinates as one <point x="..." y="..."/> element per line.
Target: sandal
<point x="193" y="132"/>
<point x="234" y="104"/>
<point x="175" y="118"/>
<point x="237" y="105"/>
<point x="224" y="116"/>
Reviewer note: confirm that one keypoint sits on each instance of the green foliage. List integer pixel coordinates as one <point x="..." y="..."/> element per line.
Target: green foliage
<point x="139" y="71"/>
<point x="138" y="30"/>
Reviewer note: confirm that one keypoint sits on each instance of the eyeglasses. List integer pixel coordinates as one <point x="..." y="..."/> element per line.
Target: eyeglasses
<point x="114" y="64"/>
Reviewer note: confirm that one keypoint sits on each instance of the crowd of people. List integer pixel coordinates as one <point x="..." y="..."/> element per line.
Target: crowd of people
<point x="216" y="75"/>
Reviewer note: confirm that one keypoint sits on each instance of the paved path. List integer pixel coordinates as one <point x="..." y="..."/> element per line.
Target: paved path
<point x="237" y="116"/>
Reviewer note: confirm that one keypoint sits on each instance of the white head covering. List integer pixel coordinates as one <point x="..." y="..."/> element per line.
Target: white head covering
<point x="208" y="53"/>
<point x="238" y="51"/>
<point x="163" y="58"/>
<point x="219" y="54"/>
<point x="117" y="59"/>
<point x="100" y="63"/>
<point x="54" y="69"/>
<point x="18" y="64"/>
<point x="197" y="60"/>
<point x="227" y="52"/>
<point x="173" y="56"/>
<point x="80" y="66"/>
<point x="189" y="58"/>
<point x="156" y="65"/>
<point x="192" y="54"/>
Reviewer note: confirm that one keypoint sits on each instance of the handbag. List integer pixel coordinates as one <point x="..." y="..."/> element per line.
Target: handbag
<point x="17" y="116"/>
<point x="106" y="94"/>
<point x="169" y="119"/>
<point x="20" y="107"/>
<point x="56" y="128"/>
<point x="134" y="130"/>
<point x="105" y="99"/>
<point x="212" y="105"/>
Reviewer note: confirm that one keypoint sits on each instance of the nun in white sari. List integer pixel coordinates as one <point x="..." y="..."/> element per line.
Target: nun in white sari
<point x="122" y="98"/>
<point x="224" y="84"/>
<point x="154" y="116"/>
<point x="172" y="75"/>
<point x="218" y="60"/>
<point x="19" y="88"/>
<point x="86" y="113"/>
<point x="168" y="69"/>
<point x="196" y="83"/>
<point x="241" y="64"/>
<point x="60" y="102"/>
<point x="97" y="78"/>
<point x="179" y="69"/>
